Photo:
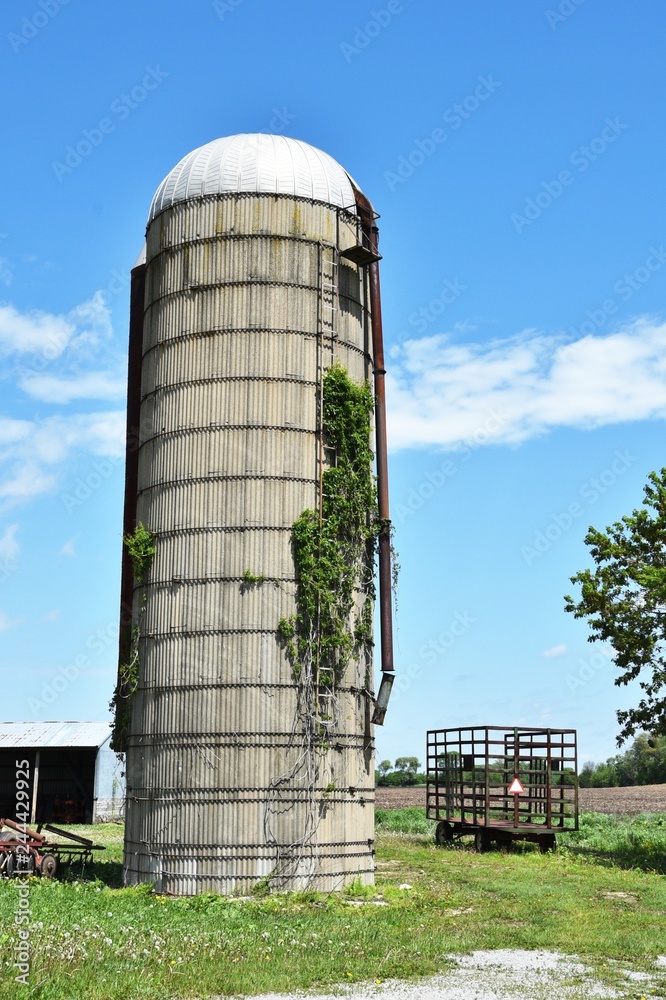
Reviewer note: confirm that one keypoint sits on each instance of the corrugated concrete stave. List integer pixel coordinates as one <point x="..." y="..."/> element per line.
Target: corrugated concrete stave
<point x="252" y="402"/>
<point x="241" y="306"/>
<point x="218" y="261"/>
<point x="210" y="354"/>
<point x="244" y="214"/>
<point x="210" y="514"/>
<point x="238" y="329"/>
<point x="202" y="452"/>
<point x="268" y="708"/>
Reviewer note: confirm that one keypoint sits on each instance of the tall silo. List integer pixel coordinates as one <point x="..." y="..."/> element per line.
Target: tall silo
<point x="259" y="273"/>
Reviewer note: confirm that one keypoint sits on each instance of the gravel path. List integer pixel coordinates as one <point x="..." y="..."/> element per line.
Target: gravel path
<point x="502" y="975"/>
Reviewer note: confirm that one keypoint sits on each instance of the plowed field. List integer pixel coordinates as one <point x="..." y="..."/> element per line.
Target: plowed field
<point x="618" y="801"/>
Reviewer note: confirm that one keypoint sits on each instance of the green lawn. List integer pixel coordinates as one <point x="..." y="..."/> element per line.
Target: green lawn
<point x="91" y="939"/>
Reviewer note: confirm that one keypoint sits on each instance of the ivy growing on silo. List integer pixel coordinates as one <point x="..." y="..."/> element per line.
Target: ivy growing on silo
<point x="140" y="545"/>
<point x="334" y="552"/>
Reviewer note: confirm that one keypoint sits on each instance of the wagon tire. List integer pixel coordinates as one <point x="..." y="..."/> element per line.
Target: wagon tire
<point x="481" y="841"/>
<point x="48" y="866"/>
<point x="444" y="833"/>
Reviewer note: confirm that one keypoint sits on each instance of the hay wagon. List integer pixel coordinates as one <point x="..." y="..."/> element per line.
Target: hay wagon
<point x="502" y="784"/>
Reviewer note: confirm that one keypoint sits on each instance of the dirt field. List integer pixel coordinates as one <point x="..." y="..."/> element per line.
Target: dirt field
<point x="621" y="801"/>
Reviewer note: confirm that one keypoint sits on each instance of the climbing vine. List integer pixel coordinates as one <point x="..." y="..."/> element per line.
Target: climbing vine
<point x="334" y="550"/>
<point x="140" y="546"/>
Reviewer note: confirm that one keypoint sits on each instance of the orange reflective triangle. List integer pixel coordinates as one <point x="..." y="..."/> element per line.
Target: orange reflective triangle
<point x="516" y="787"/>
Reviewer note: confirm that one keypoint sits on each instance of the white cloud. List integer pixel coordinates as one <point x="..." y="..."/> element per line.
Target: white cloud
<point x="6" y="623"/>
<point x="34" y="332"/>
<point x="6" y="273"/>
<point x="9" y="547"/>
<point x="12" y="431"/>
<point x="52" y="616"/>
<point x="61" y="360"/>
<point x="57" y="389"/>
<point x="49" y="334"/>
<point x="442" y="393"/>
<point x="69" y="548"/>
<point x="33" y="464"/>
<point x="555" y="652"/>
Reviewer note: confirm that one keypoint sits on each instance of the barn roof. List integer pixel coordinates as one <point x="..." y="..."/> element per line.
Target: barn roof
<point x="53" y="734"/>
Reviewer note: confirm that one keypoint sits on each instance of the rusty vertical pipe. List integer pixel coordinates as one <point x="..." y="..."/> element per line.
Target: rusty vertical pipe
<point x="379" y="372"/>
<point x="137" y="296"/>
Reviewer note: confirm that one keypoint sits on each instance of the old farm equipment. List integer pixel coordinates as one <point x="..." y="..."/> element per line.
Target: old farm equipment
<point x="24" y="851"/>
<point x="502" y="784"/>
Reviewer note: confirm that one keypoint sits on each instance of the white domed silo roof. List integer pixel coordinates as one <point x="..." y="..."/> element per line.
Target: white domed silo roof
<point x="256" y="163"/>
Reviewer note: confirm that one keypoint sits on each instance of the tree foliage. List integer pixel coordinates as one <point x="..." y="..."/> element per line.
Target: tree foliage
<point x="644" y="763"/>
<point x="624" y="601"/>
<point x="406" y="772"/>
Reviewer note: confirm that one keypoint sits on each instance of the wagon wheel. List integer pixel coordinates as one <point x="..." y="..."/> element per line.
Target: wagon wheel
<point x="547" y="843"/>
<point x="10" y="864"/>
<point x="444" y="833"/>
<point x="7" y="835"/>
<point x="48" y="866"/>
<point x="481" y="841"/>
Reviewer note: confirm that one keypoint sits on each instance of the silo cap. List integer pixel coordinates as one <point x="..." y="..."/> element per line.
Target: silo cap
<point x="256" y="163"/>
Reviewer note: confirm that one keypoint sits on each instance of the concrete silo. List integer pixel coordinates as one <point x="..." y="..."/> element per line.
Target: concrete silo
<point x="260" y="275"/>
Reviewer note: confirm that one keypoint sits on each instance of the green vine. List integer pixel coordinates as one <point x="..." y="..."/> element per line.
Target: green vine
<point x="140" y="545"/>
<point x="250" y="580"/>
<point x="334" y="551"/>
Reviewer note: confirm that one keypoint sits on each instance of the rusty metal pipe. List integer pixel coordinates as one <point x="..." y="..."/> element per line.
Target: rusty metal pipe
<point x="137" y="297"/>
<point x="371" y="240"/>
<point x="379" y="372"/>
<point x="25" y="831"/>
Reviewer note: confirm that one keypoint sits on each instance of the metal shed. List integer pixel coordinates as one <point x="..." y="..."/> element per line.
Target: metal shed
<point x="74" y="777"/>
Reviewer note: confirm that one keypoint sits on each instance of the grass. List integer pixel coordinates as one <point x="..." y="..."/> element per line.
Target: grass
<point x="91" y="939"/>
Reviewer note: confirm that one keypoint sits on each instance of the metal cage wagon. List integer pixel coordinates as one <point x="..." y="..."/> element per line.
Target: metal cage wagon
<point x="502" y="783"/>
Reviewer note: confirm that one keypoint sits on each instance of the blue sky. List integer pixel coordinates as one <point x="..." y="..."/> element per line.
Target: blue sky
<point x="516" y="155"/>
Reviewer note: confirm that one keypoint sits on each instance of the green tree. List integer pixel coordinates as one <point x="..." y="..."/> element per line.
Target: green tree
<point x="624" y="602"/>
<point x="407" y="765"/>
<point x="384" y="767"/>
